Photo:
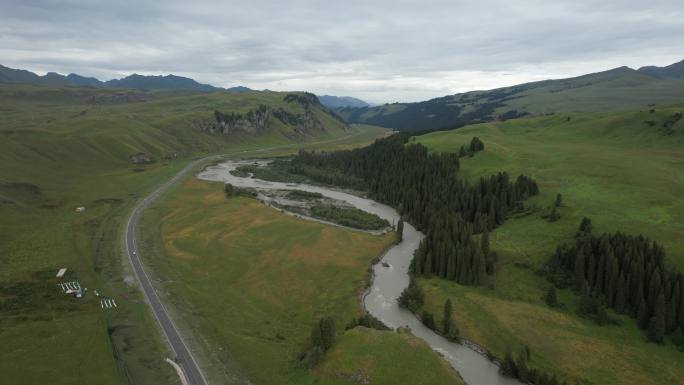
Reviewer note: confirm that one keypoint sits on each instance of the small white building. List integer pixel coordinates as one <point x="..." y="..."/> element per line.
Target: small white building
<point x="61" y="272"/>
<point x="80" y="209"/>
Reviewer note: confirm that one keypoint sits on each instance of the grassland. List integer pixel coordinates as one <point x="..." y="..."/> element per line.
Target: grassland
<point x="61" y="148"/>
<point x="623" y="173"/>
<point x="613" y="90"/>
<point x="385" y="358"/>
<point x="252" y="281"/>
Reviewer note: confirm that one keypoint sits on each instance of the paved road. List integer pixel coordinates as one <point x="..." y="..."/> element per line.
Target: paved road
<point x="192" y="372"/>
<point x="191" y="369"/>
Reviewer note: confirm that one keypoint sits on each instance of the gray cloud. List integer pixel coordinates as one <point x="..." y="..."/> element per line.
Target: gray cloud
<point x="377" y="50"/>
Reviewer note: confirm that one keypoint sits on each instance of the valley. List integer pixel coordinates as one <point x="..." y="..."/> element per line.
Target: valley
<point x="538" y="240"/>
<point x="269" y="275"/>
<point x="65" y="148"/>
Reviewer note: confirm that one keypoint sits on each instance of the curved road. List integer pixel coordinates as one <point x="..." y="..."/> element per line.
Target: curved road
<point x="191" y="370"/>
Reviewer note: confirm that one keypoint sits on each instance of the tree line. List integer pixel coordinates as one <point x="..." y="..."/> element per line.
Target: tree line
<point x="426" y="189"/>
<point x="322" y="339"/>
<point x="626" y="273"/>
<point x="518" y="368"/>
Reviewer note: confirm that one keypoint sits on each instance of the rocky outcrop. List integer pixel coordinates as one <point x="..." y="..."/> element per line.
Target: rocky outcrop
<point x="301" y="123"/>
<point x="261" y="119"/>
<point x="252" y="122"/>
<point x="140" y="158"/>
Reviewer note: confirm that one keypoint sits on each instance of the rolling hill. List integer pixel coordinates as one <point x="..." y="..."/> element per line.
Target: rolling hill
<point x="101" y="149"/>
<point x="614" y="89"/>
<point x="623" y="169"/>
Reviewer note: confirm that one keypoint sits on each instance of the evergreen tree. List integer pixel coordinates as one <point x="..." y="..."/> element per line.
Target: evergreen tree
<point x="620" y="295"/>
<point x="551" y="298"/>
<point x="314" y="356"/>
<point x="428" y="320"/>
<point x="508" y="366"/>
<point x="316" y="335"/>
<point x="446" y="320"/>
<point x="476" y="145"/>
<point x="656" y="328"/>
<point x="400" y="230"/>
<point x="559" y="200"/>
<point x="521" y="366"/>
<point x="585" y="226"/>
<point x="579" y="270"/>
<point x="553" y="215"/>
<point x="327" y="326"/>
<point x="484" y="243"/>
<point x="678" y="337"/>
<point x="229" y="190"/>
<point x="642" y="313"/>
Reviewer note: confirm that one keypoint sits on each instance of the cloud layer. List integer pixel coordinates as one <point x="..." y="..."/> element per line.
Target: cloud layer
<point x="381" y="51"/>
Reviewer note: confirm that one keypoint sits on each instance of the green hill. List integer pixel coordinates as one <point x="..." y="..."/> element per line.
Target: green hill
<point x="67" y="147"/>
<point x="624" y="170"/>
<point x="615" y="89"/>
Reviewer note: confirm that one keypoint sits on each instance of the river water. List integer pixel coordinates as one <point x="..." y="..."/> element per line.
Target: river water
<point x="388" y="282"/>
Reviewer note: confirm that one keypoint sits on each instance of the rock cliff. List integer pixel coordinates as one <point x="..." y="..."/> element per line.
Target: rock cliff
<point x="261" y="119"/>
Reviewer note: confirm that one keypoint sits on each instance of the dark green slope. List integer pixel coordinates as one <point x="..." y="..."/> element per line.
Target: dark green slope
<point x="618" y="88"/>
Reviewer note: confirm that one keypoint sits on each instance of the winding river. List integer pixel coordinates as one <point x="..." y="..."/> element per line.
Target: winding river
<point x="388" y="282"/>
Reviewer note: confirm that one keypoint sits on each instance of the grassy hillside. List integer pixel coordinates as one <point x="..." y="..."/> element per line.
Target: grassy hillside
<point x="385" y="358"/>
<point x="615" y="89"/>
<point x="63" y="148"/>
<point x="252" y="281"/>
<point x="625" y="171"/>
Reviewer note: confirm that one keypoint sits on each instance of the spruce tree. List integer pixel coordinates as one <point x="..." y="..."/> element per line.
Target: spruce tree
<point x="680" y="317"/>
<point x="642" y="313"/>
<point x="620" y="295"/>
<point x="446" y="320"/>
<point x="229" y="190"/>
<point x="559" y="200"/>
<point x="678" y="337"/>
<point x="400" y="230"/>
<point x="508" y="367"/>
<point x="484" y="243"/>
<point x="428" y="320"/>
<point x="579" y="269"/>
<point x="316" y="336"/>
<point x="327" y="326"/>
<point x="551" y="297"/>
<point x="656" y="328"/>
<point x="521" y="366"/>
<point x="585" y="226"/>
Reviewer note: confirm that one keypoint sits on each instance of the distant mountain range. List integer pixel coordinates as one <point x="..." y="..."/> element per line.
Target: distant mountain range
<point x="168" y="82"/>
<point x="618" y="88"/>
<point x="146" y="82"/>
<point x="341" y="101"/>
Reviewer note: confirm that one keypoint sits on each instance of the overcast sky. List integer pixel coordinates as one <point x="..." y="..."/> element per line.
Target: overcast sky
<point x="377" y="50"/>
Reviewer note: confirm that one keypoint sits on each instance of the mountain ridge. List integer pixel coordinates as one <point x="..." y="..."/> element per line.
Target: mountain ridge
<point x="135" y="81"/>
<point x="333" y="102"/>
<point x="616" y="88"/>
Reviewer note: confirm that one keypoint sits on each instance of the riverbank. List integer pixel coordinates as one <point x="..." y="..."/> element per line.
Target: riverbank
<point x="388" y="282"/>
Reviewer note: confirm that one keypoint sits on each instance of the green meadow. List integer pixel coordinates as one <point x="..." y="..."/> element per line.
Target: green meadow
<point x="63" y="148"/>
<point x="623" y="170"/>
<point x="252" y="281"/>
